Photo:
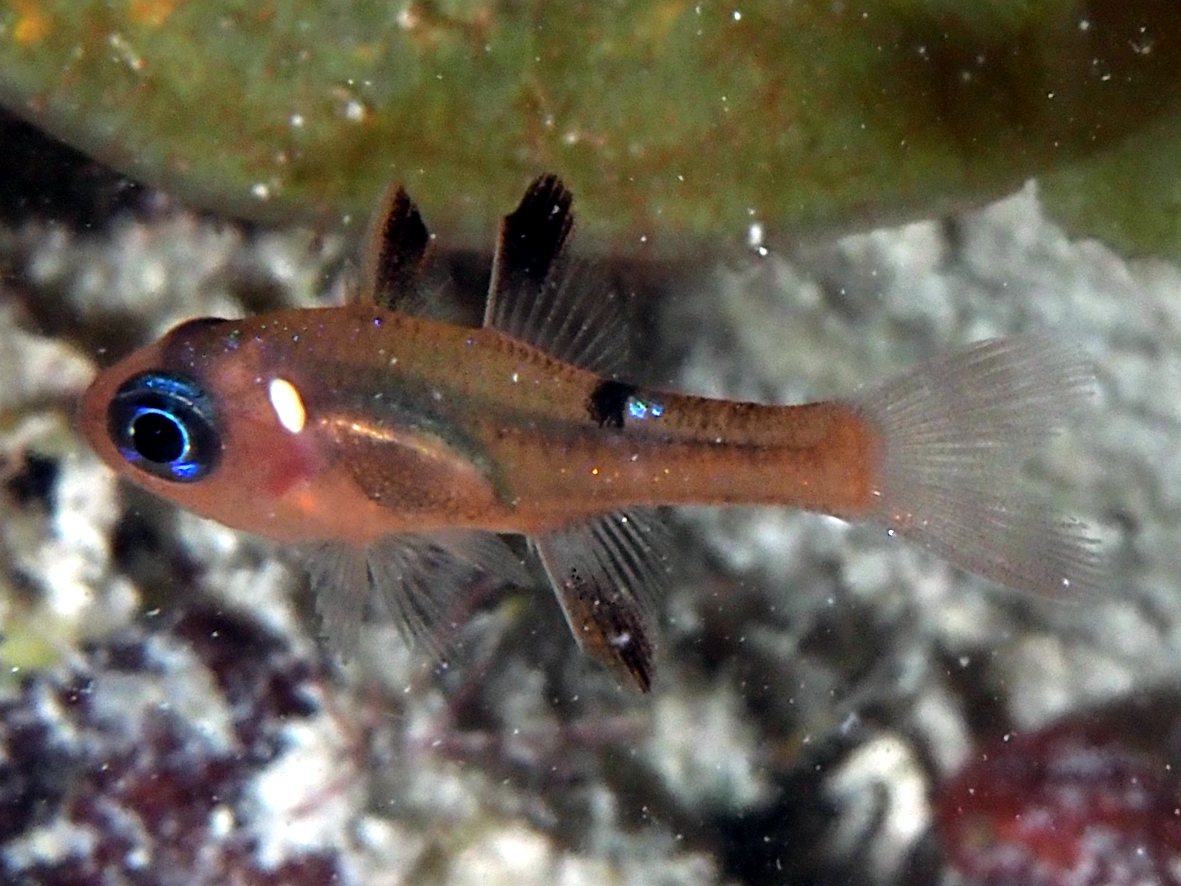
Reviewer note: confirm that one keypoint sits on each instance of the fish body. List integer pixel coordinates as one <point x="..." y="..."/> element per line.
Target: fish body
<point x="394" y="446"/>
<point x="410" y="424"/>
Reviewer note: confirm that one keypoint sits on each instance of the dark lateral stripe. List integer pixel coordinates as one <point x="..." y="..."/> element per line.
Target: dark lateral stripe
<point x="607" y="402"/>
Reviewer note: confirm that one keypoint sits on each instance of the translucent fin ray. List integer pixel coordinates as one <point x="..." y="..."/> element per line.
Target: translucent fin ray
<point x="422" y="581"/>
<point x="567" y="309"/>
<point x="608" y="574"/>
<point x="339" y="578"/>
<point x="956" y="431"/>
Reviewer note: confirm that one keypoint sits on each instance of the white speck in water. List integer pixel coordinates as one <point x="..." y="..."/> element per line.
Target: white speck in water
<point x="754" y="235"/>
<point x="125" y="53"/>
<point x="296" y="120"/>
<point x="408" y="18"/>
<point x="261" y="191"/>
<point x="221" y="821"/>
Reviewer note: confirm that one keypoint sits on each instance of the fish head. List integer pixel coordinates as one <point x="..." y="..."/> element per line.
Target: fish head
<point x="201" y="418"/>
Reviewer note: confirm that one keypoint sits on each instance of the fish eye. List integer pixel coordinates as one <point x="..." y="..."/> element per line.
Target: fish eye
<point x="164" y="424"/>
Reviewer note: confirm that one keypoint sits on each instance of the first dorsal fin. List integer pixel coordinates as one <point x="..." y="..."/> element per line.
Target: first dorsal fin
<point x="567" y="309"/>
<point x="396" y="254"/>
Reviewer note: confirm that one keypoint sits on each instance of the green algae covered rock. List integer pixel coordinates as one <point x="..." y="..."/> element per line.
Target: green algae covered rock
<point x="679" y="124"/>
<point x="1129" y="197"/>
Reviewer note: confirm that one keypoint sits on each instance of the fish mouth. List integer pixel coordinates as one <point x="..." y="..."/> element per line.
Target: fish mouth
<point x="90" y="416"/>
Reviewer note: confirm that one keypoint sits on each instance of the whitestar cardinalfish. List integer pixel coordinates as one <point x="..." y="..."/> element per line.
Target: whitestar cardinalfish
<point x="395" y="446"/>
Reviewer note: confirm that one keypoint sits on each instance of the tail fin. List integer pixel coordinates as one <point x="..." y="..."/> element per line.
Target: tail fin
<point x="956" y="431"/>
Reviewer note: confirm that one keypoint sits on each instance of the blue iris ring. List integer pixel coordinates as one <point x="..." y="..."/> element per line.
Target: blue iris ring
<point x="165" y="424"/>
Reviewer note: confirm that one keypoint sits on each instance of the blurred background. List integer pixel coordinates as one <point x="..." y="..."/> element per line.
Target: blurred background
<point x="799" y="199"/>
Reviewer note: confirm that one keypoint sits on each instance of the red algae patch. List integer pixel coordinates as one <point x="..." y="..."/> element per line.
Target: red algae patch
<point x="1091" y="800"/>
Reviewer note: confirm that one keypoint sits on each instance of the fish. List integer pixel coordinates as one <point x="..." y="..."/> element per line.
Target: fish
<point x="395" y="450"/>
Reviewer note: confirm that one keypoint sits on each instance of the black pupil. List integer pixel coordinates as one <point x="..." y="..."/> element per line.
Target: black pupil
<point x="158" y="437"/>
<point x="165" y="425"/>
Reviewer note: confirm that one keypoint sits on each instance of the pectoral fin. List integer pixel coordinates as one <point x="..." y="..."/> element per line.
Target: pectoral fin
<point x="607" y="575"/>
<point x="339" y="577"/>
<point x="424" y="582"/>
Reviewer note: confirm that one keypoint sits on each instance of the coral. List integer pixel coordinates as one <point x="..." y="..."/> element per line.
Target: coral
<point x="140" y="763"/>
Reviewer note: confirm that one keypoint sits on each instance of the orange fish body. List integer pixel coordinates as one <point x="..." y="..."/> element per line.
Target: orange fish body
<point x="415" y="425"/>
<point x="395" y="444"/>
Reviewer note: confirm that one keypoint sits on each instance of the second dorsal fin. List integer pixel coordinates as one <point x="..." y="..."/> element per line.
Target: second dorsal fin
<point x="568" y="309"/>
<point x="531" y="241"/>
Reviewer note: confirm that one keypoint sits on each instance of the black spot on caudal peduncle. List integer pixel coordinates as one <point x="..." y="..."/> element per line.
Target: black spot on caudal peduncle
<point x="608" y="401"/>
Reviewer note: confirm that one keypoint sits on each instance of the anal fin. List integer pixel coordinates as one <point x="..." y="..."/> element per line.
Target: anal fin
<point x="608" y="574"/>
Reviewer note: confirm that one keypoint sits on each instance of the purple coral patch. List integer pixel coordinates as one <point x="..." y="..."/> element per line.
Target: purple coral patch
<point x="112" y="774"/>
